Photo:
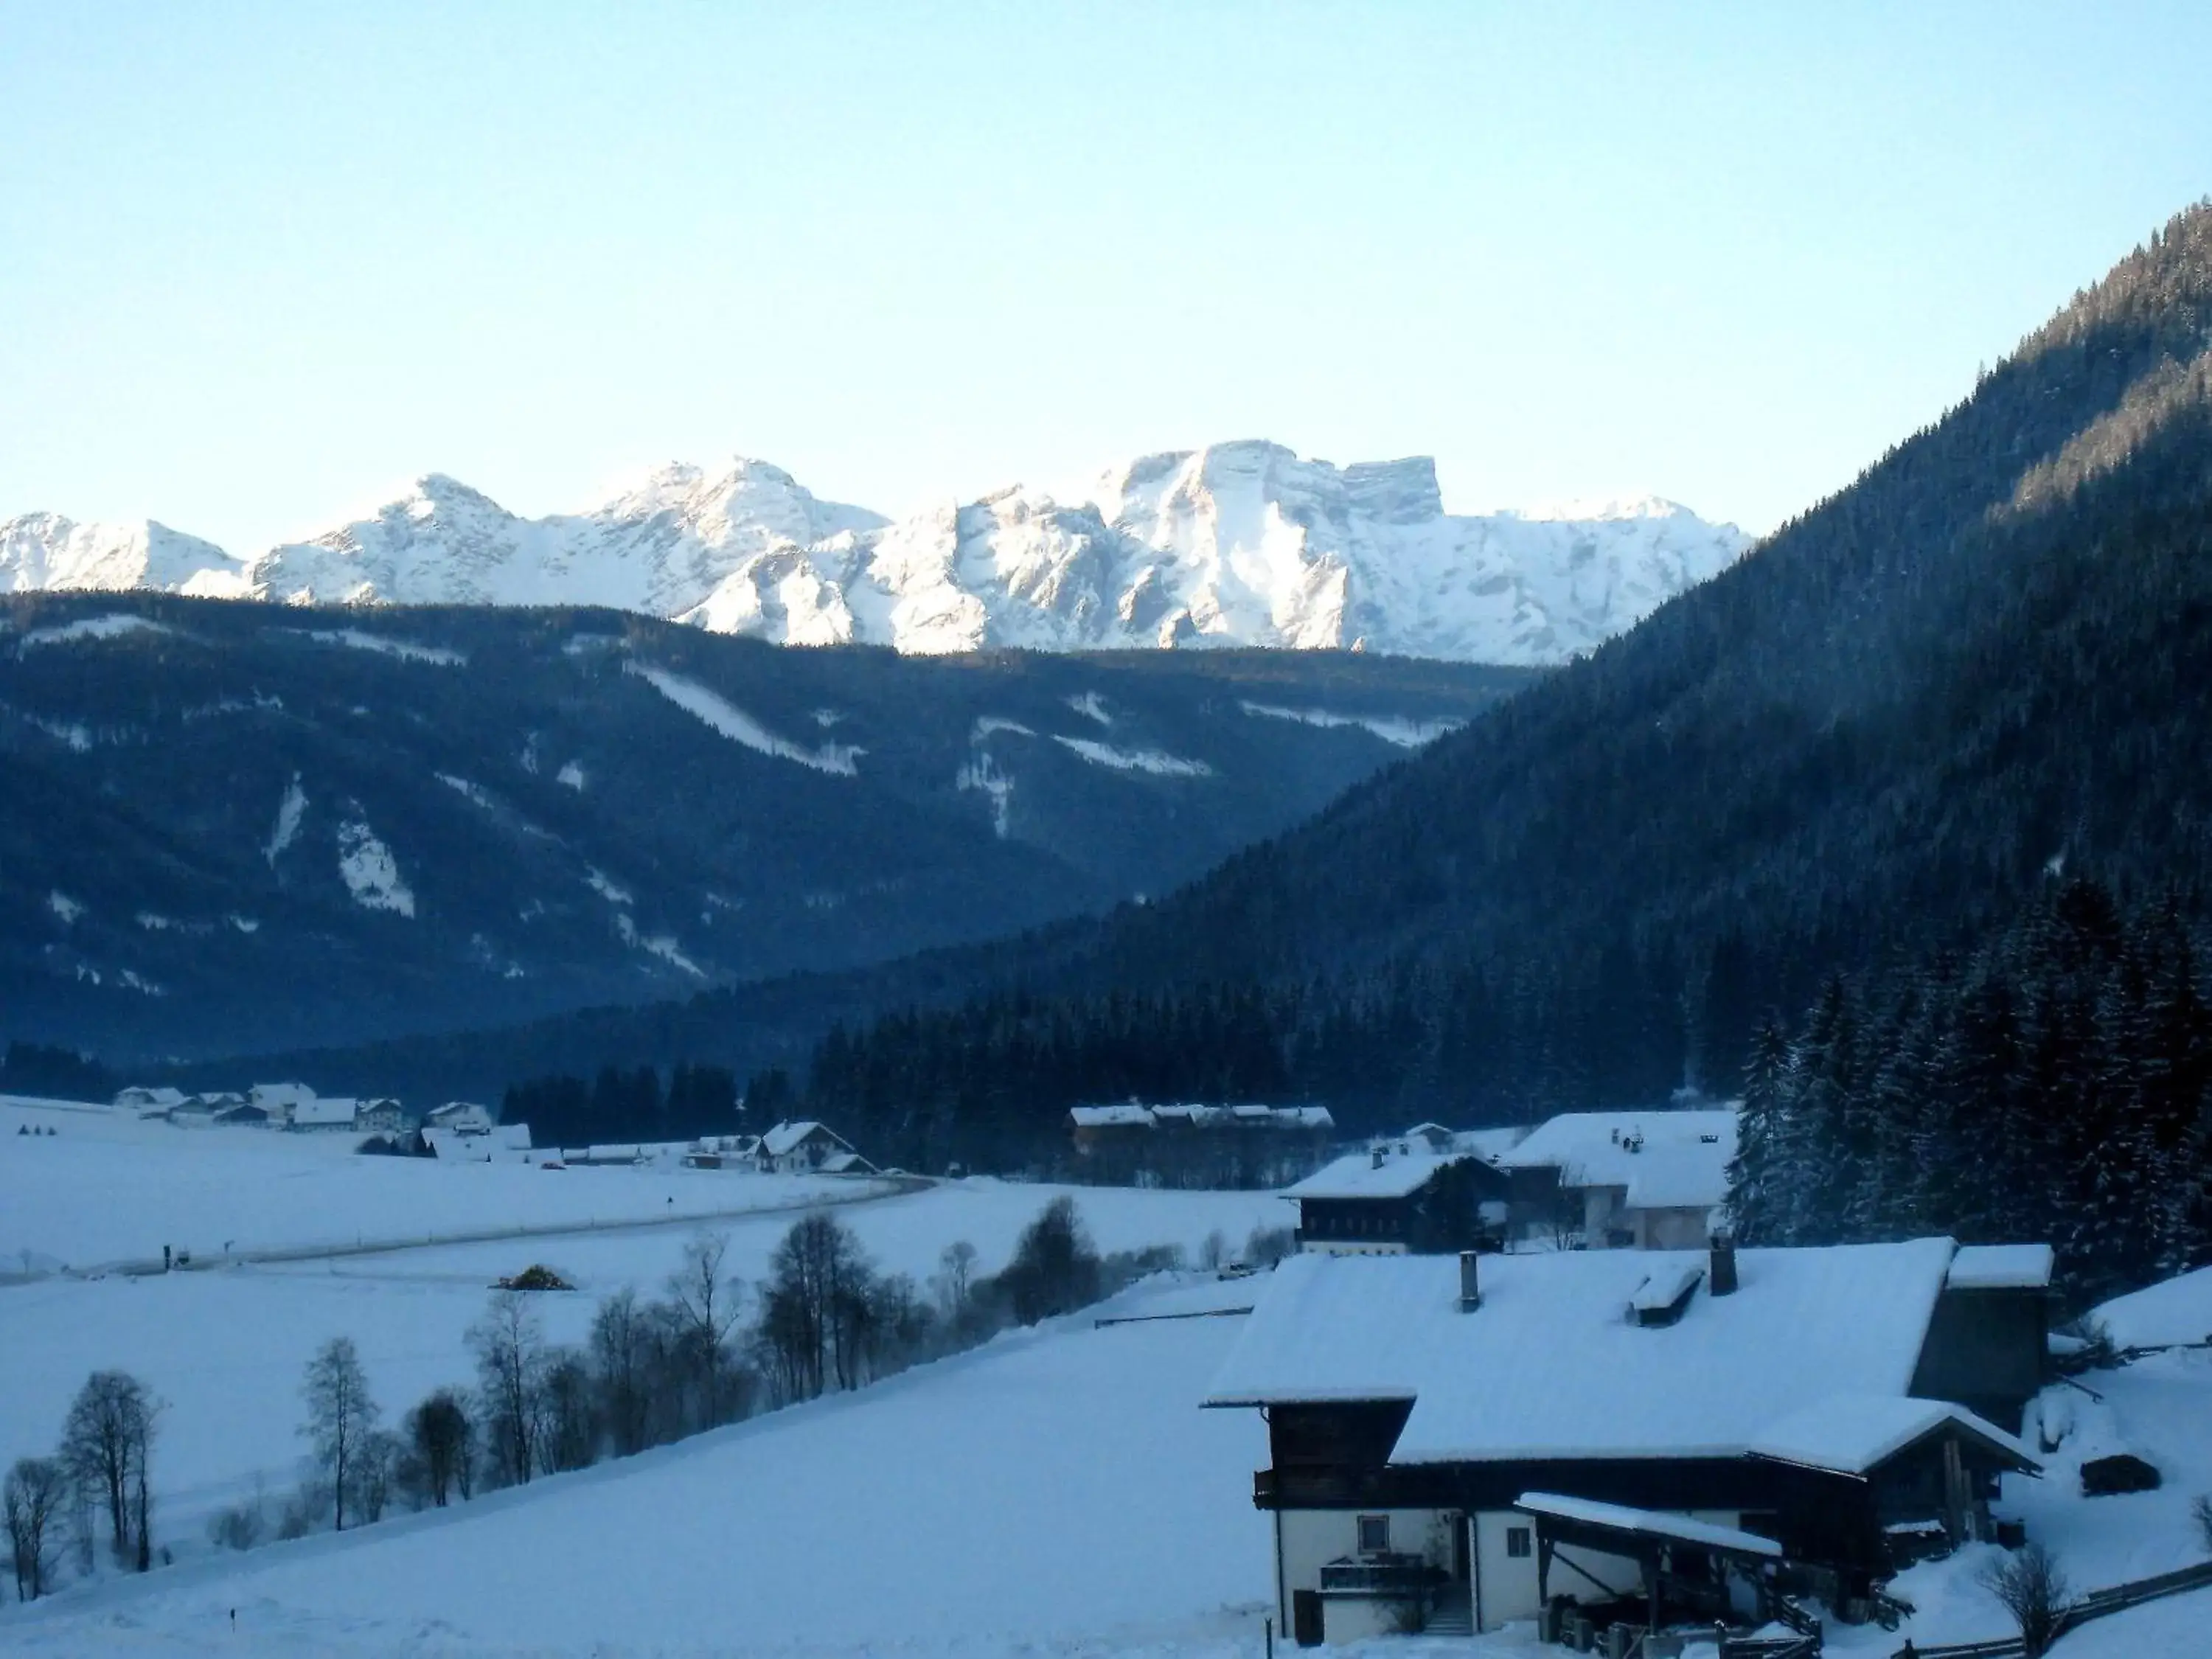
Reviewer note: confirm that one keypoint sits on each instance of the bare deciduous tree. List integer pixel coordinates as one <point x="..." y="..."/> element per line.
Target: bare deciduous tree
<point x="955" y="1281"/>
<point x="37" y="1489"/>
<point x="440" y="1443"/>
<point x="709" y="1303"/>
<point x="510" y="1351"/>
<point x="814" y="1312"/>
<point x="106" y="1445"/>
<point x="571" y="1423"/>
<point x="621" y="1359"/>
<point x="341" y="1418"/>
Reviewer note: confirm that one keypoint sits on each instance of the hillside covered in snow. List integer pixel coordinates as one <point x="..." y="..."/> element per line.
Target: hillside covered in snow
<point x="1235" y="544"/>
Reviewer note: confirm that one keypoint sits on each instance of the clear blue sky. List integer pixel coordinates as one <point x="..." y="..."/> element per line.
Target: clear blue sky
<point x="261" y="264"/>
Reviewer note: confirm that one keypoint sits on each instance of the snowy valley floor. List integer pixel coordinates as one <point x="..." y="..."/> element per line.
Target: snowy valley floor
<point x="1057" y="1493"/>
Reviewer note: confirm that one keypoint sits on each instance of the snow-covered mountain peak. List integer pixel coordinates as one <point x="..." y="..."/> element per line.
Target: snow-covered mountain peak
<point x="45" y="551"/>
<point x="1245" y="543"/>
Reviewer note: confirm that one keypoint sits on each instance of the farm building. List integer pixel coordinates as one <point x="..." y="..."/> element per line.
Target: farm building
<point x="1192" y="1144"/>
<point x="1634" y="1180"/>
<point x="1398" y="1197"/>
<point x="1459" y="1440"/>
<point x="800" y="1148"/>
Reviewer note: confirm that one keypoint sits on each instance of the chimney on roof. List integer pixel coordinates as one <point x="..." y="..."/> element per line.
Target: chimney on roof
<point x="1721" y="1280"/>
<point x="1470" y="1282"/>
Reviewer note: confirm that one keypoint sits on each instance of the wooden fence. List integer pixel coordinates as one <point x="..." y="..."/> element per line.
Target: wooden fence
<point x="2097" y="1604"/>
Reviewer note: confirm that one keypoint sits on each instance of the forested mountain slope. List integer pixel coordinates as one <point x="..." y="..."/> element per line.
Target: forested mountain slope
<point x="230" y="826"/>
<point x="1989" y="656"/>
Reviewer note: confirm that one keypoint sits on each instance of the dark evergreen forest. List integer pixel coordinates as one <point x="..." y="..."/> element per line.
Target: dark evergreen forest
<point x="2053" y="1083"/>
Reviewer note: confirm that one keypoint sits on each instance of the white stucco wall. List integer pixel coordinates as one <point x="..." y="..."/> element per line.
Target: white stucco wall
<point x="1309" y="1537"/>
<point x="1672" y="1230"/>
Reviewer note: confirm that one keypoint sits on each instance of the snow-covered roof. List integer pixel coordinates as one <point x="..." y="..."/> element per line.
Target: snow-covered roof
<point x="1667" y="1284"/>
<point x="2178" y="1310"/>
<point x="316" y="1112"/>
<point x="1552" y="1363"/>
<point x="280" y="1094"/>
<point x="789" y="1137"/>
<point x="1851" y="1434"/>
<point x="1106" y="1117"/>
<point x="845" y="1164"/>
<point x="1357" y="1175"/>
<point x="2001" y="1268"/>
<point x="1491" y="1146"/>
<point x="160" y="1095"/>
<point x="1650" y="1523"/>
<point x="1666" y="1159"/>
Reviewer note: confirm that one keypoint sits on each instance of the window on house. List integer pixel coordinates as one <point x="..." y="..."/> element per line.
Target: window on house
<point x="1518" y="1541"/>
<point x="1374" y="1535"/>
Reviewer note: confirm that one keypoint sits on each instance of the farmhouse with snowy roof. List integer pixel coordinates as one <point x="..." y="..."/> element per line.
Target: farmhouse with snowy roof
<point x="801" y="1148"/>
<point x="318" y="1112"/>
<point x="463" y="1117"/>
<point x="150" y="1102"/>
<point x="1402" y="1195"/>
<point x="1643" y="1180"/>
<point x="1245" y="1144"/>
<point x="1469" y="1438"/>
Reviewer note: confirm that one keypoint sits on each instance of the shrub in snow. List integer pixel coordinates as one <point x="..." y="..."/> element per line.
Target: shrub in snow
<point x="241" y="1527"/>
<point x="536" y="1277"/>
<point x="2201" y="1512"/>
<point x="2123" y="1472"/>
<point x="1268" y="1245"/>
<point x="2030" y="1586"/>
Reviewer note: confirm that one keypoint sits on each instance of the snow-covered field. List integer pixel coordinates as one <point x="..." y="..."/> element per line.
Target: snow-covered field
<point x="105" y="1186"/>
<point x="225" y="1348"/>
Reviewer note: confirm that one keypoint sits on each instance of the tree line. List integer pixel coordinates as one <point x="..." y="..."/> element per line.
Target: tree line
<point x="2052" y="1084"/>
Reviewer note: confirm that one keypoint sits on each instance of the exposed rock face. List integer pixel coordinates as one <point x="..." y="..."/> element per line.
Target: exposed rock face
<point x="1239" y="543"/>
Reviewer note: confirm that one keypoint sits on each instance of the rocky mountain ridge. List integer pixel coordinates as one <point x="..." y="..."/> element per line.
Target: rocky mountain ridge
<point x="1240" y="544"/>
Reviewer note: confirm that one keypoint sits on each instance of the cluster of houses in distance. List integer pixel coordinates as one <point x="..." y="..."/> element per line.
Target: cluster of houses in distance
<point x="462" y="1131"/>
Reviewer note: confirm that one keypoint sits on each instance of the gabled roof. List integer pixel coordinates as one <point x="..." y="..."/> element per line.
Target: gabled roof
<point x="1666" y="1159"/>
<point x="1551" y="1362"/>
<point x="1852" y="1434"/>
<point x="1356" y="1175"/>
<point x="789" y="1137"/>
